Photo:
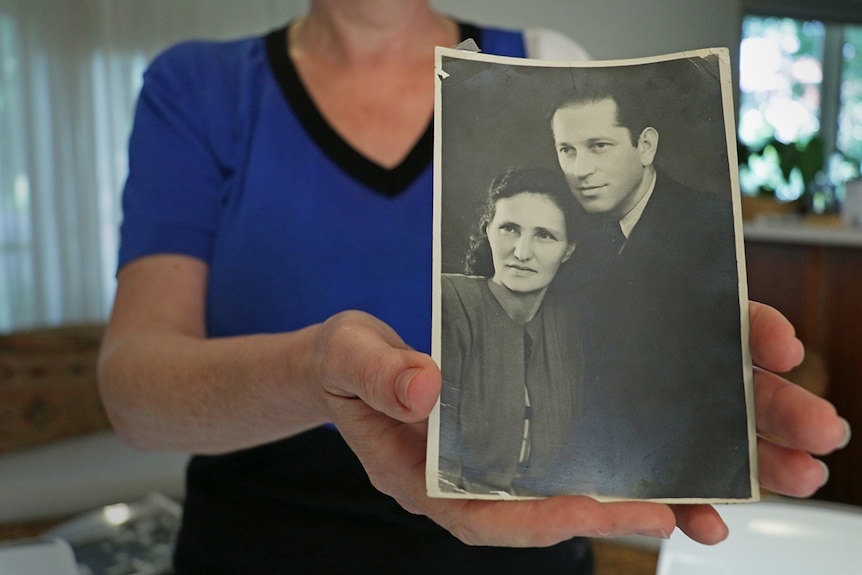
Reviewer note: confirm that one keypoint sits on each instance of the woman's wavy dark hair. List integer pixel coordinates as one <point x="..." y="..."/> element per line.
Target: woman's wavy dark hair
<point x="550" y="183"/>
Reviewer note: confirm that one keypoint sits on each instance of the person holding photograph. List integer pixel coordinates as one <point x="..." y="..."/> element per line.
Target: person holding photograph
<point x="273" y="313"/>
<point x="657" y="277"/>
<point x="510" y="376"/>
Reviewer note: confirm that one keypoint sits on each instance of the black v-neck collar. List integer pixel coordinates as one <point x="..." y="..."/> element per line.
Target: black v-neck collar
<point x="389" y="182"/>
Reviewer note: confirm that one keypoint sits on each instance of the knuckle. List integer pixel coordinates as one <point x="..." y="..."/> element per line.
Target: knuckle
<point x="467" y="535"/>
<point x="337" y="345"/>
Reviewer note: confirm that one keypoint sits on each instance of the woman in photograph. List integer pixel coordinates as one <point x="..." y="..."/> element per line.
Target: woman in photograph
<point x="510" y="377"/>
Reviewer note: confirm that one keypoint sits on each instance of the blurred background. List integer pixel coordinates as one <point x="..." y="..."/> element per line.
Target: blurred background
<point x="70" y="71"/>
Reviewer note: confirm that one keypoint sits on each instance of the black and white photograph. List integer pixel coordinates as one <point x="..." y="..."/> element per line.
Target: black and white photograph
<point x="590" y="304"/>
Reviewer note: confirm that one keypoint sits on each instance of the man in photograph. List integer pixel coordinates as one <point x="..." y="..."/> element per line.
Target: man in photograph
<point x="655" y="279"/>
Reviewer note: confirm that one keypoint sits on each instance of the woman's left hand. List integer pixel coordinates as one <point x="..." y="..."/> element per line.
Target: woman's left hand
<point x="793" y="425"/>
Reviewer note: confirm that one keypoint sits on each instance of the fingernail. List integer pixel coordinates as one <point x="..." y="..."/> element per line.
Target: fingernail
<point x="402" y="385"/>
<point x="847" y="434"/>
<point x="657" y="533"/>
<point x="825" y="473"/>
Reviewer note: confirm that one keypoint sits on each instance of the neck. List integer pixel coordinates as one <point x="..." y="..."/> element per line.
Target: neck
<point x="643" y="189"/>
<point x="521" y="307"/>
<point x="361" y="31"/>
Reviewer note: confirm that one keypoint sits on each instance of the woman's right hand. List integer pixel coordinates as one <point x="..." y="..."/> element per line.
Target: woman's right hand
<point x="168" y="386"/>
<point x="379" y="393"/>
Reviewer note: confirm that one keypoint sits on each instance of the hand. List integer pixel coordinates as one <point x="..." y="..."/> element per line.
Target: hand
<point x="379" y="393"/>
<point x="797" y="422"/>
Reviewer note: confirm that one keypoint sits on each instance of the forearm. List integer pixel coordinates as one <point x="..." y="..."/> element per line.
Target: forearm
<point x="170" y="390"/>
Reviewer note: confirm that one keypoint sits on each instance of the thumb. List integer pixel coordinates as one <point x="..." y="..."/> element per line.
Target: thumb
<point x="364" y="360"/>
<point x="416" y="389"/>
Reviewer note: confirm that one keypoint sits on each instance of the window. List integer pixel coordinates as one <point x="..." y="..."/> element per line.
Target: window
<point x="65" y="108"/>
<point x="69" y="75"/>
<point x="15" y="225"/>
<point x="800" y="115"/>
<point x="850" y="119"/>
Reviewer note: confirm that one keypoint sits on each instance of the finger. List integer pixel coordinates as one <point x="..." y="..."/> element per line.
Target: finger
<point x="702" y="523"/>
<point x="789" y="471"/>
<point x="393" y="455"/>
<point x="362" y="357"/>
<point x="544" y="522"/>
<point x="800" y="418"/>
<point x="642" y="518"/>
<point x="772" y="339"/>
<point x="526" y="523"/>
<point x="535" y="523"/>
<point x="404" y="385"/>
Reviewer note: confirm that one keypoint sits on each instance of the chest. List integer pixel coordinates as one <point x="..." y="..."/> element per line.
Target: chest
<point x="311" y="241"/>
<point x="381" y="113"/>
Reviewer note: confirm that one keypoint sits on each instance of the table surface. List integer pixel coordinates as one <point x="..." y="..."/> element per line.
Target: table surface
<point x="809" y="230"/>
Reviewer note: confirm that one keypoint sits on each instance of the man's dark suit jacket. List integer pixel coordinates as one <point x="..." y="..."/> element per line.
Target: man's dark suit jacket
<point x="663" y="401"/>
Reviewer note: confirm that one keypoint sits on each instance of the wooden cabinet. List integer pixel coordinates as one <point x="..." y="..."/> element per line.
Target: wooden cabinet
<point x="819" y="288"/>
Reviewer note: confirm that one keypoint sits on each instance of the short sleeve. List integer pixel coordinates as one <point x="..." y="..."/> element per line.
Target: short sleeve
<point x="172" y="195"/>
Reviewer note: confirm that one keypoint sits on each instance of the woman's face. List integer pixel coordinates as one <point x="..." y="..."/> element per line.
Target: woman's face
<point x="528" y="241"/>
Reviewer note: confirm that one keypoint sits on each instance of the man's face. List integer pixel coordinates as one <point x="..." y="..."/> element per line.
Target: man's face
<point x="607" y="174"/>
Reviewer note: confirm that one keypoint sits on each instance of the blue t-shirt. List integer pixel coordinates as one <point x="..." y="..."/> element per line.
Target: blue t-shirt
<point x="231" y="162"/>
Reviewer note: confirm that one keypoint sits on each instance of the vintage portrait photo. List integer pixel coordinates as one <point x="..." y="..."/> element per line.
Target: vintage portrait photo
<point x="590" y="303"/>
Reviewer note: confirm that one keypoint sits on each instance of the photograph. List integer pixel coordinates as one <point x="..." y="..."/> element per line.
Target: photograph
<point x="590" y="313"/>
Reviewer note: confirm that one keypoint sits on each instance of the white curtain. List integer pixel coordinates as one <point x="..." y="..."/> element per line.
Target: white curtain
<point x="69" y="74"/>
